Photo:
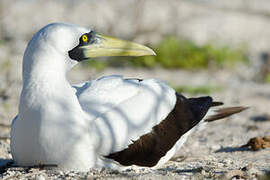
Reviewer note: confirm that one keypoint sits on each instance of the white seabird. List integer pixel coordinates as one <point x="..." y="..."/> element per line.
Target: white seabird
<point x="109" y="122"/>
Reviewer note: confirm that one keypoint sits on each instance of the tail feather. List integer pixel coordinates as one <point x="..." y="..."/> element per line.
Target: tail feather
<point x="225" y="112"/>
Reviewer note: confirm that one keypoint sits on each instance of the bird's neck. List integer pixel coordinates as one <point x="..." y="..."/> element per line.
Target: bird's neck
<point x="44" y="79"/>
<point x="47" y="94"/>
<point x="43" y="68"/>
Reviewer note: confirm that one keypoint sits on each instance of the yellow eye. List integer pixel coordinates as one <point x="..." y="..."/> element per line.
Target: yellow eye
<point x="84" y="38"/>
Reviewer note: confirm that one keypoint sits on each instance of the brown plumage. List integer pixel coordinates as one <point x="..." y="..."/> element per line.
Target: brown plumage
<point x="187" y="113"/>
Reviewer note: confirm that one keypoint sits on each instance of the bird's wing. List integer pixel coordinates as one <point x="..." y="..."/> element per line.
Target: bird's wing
<point x="124" y="109"/>
<point x="99" y="96"/>
<point x="136" y="122"/>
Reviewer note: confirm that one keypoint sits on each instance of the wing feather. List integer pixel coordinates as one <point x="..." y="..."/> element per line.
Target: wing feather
<point x="124" y="109"/>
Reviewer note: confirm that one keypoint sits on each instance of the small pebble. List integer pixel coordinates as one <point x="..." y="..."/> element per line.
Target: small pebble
<point x="215" y="147"/>
<point x="203" y="172"/>
<point x="61" y="173"/>
<point x="40" y="177"/>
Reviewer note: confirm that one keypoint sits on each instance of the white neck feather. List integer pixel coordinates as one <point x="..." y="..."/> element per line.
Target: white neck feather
<point x="44" y="79"/>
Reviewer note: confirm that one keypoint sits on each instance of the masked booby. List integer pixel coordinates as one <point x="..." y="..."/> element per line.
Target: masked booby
<point x="109" y="122"/>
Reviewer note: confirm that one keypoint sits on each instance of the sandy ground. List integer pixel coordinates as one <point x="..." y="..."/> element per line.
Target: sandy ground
<point x="214" y="152"/>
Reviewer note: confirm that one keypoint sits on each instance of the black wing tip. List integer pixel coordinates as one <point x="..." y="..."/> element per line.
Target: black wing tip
<point x="217" y="103"/>
<point x="199" y="106"/>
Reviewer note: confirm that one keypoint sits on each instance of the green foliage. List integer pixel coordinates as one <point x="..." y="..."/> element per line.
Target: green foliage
<point x="267" y="78"/>
<point x="195" y="90"/>
<point x="5" y="65"/>
<point x="6" y="106"/>
<point x="173" y="53"/>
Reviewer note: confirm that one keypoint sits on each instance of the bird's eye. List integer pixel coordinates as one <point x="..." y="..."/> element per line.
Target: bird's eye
<point x="84" y="38"/>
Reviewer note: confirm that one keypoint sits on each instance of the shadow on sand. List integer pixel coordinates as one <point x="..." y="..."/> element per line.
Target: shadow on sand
<point x="4" y="164"/>
<point x="232" y="149"/>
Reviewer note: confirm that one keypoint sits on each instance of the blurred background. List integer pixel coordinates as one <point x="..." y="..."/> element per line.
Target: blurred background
<point x="204" y="47"/>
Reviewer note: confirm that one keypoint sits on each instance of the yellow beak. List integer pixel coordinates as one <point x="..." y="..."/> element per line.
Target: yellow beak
<point x="109" y="46"/>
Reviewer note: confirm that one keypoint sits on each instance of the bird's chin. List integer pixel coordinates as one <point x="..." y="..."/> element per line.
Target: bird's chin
<point x="77" y="54"/>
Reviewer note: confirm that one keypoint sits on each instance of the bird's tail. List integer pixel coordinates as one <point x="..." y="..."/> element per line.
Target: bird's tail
<point x="205" y="110"/>
<point x="223" y="112"/>
<point x="212" y="111"/>
<point x="208" y="110"/>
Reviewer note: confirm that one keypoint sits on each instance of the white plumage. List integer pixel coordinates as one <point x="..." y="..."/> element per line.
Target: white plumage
<point x="75" y="126"/>
<point x="100" y="123"/>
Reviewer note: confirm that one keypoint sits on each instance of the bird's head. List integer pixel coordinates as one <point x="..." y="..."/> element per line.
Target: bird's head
<point x="70" y="43"/>
<point x="92" y="44"/>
